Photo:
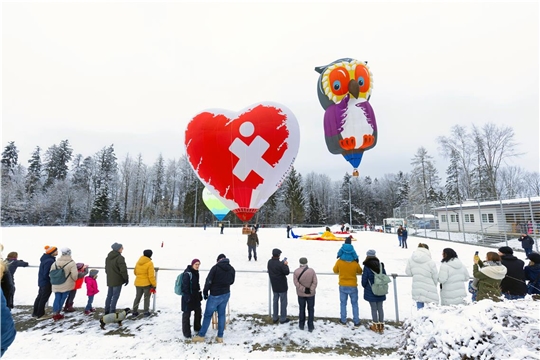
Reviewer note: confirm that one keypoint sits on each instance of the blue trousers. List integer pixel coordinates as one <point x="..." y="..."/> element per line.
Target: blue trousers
<point x="302" y="302"/>
<point x="215" y="303"/>
<point x="344" y="293"/>
<point x="59" y="300"/>
<point x="113" y="294"/>
<point x="280" y="298"/>
<point x="89" y="303"/>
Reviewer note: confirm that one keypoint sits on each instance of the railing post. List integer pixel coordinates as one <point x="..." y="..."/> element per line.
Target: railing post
<point x="394" y="276"/>
<point x="155" y="294"/>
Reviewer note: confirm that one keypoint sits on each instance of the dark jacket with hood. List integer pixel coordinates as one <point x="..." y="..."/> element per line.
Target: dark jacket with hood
<point x="514" y="281"/>
<point x="371" y="265"/>
<point x="278" y="271"/>
<point x="219" y="279"/>
<point x="45" y="264"/>
<point x="191" y="288"/>
<point x="116" y="269"/>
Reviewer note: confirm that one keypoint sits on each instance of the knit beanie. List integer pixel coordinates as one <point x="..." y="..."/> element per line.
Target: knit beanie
<point x="220" y="256"/>
<point x="194" y="261"/>
<point x="116" y="246"/>
<point x="348" y="240"/>
<point x="50" y="249"/>
<point x="370" y="253"/>
<point x="303" y="261"/>
<point x="66" y="251"/>
<point x="507" y="250"/>
<point x="93" y="272"/>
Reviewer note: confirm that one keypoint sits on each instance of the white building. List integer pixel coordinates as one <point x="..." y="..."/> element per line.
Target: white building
<point x="513" y="216"/>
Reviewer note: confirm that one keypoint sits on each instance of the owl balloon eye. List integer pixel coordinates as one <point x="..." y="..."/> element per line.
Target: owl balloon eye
<point x="339" y="78"/>
<point x="361" y="73"/>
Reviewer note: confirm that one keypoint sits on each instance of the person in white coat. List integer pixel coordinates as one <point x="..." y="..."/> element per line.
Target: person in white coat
<point x="425" y="277"/>
<point x="452" y="277"/>
<point x="62" y="291"/>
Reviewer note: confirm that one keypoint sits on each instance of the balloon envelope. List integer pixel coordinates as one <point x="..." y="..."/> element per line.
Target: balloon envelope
<point x="214" y="204"/>
<point x="243" y="157"/>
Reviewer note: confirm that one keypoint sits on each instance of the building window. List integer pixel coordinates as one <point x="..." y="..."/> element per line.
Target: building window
<point x="454" y="218"/>
<point x="487" y="218"/>
<point x="469" y="218"/>
<point x="443" y="218"/>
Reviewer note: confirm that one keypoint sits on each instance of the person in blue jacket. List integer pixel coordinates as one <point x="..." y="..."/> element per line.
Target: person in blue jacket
<point x="371" y="265"/>
<point x="347" y="252"/>
<point x="532" y="273"/>
<point x="44" y="282"/>
<point x="7" y="325"/>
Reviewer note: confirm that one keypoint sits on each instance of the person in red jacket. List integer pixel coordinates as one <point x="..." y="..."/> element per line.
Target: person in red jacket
<point x="82" y="271"/>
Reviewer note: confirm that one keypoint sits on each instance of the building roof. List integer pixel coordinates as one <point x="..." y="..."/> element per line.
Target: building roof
<point x="473" y="203"/>
<point x="424" y="216"/>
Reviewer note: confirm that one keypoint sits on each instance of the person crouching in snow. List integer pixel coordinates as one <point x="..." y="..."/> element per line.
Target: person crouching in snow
<point x="347" y="252"/>
<point x="91" y="290"/>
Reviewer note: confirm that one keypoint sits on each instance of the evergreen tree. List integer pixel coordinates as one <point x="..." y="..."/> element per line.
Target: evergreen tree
<point x="33" y="176"/>
<point x="453" y="193"/>
<point x="10" y="158"/>
<point x="294" y="198"/>
<point x="100" y="213"/>
<point x="56" y="162"/>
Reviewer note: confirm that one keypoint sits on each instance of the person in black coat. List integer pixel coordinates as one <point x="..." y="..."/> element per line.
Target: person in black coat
<point x="513" y="285"/>
<point x="218" y="283"/>
<point x="191" y="300"/>
<point x="532" y="273"/>
<point x="44" y="282"/>
<point x="13" y="263"/>
<point x="288" y="231"/>
<point x="527" y="243"/>
<point x="278" y="271"/>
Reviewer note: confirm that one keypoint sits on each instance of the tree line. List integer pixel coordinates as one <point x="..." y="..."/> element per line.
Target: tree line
<point x="60" y="188"/>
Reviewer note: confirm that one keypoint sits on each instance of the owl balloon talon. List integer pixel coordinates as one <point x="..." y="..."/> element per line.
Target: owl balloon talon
<point x="368" y="141"/>
<point x="348" y="143"/>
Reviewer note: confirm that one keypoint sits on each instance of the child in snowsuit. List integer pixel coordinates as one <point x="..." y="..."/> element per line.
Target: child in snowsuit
<point x="347" y="252"/>
<point x="91" y="290"/>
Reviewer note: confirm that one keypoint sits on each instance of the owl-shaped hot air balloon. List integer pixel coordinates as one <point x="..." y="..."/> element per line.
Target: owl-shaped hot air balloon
<point x="350" y="127"/>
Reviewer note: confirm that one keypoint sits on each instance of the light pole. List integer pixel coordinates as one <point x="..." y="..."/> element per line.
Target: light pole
<point x="195" y="213"/>
<point x="350" y="205"/>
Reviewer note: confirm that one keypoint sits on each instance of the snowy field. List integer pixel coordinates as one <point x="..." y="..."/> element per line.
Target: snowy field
<point x="246" y="337"/>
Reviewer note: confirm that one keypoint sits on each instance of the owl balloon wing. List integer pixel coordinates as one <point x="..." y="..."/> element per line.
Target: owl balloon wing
<point x="334" y="118"/>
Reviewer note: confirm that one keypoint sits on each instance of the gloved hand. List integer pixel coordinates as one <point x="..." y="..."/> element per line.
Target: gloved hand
<point x="205" y="296"/>
<point x="307" y="291"/>
<point x="152" y="290"/>
<point x="127" y="282"/>
<point x="200" y="296"/>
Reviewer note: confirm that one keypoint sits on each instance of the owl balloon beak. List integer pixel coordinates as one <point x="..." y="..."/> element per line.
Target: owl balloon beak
<point x="354" y="88"/>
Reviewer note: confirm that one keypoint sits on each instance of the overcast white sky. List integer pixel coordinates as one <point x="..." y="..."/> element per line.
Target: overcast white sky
<point x="134" y="74"/>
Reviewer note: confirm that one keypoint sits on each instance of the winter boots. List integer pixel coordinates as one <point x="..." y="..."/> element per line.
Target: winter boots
<point x="377" y="327"/>
<point x="69" y="307"/>
<point x="57" y="317"/>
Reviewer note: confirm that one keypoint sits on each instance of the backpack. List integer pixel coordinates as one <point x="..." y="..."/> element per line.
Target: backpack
<point x="178" y="283"/>
<point x="57" y="275"/>
<point x="380" y="283"/>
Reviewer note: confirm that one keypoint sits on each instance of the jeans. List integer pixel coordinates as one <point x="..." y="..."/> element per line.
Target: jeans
<point x="89" y="303"/>
<point x="139" y="291"/>
<point x="404" y="243"/>
<point x="280" y="297"/>
<point x="254" y="250"/>
<point x="527" y="251"/>
<point x="43" y="296"/>
<point x="71" y="298"/>
<point x="59" y="300"/>
<point x="186" y="315"/>
<point x="310" y="302"/>
<point x="113" y="294"/>
<point x="344" y="293"/>
<point x="419" y="305"/>
<point x="377" y="312"/>
<point x="214" y="303"/>
<point x="513" y="297"/>
<point x="400" y="238"/>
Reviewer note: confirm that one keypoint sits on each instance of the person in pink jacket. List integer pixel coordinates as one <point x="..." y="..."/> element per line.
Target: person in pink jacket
<point x="305" y="281"/>
<point x="91" y="290"/>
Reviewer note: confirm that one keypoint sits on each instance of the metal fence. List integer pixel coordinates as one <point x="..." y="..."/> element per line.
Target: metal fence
<point x="485" y="222"/>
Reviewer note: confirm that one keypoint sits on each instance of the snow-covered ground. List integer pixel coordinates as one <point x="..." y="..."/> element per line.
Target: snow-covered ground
<point x="250" y="335"/>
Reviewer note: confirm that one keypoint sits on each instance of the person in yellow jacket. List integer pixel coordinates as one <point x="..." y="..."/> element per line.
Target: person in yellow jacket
<point x="348" y="287"/>
<point x="145" y="282"/>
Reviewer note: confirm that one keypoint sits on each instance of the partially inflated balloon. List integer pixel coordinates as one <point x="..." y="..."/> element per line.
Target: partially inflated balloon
<point x="213" y="204"/>
<point x="243" y="157"/>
